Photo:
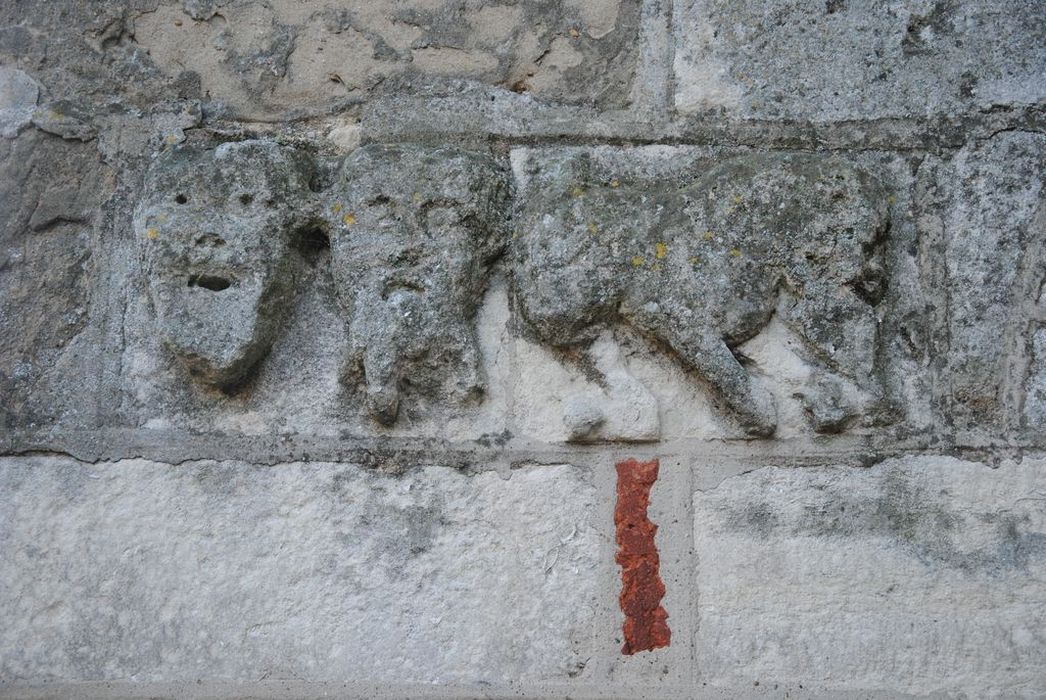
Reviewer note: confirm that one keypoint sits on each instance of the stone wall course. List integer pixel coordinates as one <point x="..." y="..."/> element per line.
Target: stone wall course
<point x="324" y="325"/>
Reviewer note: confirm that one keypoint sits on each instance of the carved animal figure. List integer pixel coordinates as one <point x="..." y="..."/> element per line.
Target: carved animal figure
<point x="414" y="230"/>
<point x="215" y="228"/>
<point x="703" y="267"/>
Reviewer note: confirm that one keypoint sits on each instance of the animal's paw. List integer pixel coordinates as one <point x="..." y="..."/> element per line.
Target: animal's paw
<point x="383" y="404"/>
<point x="582" y="418"/>
<point x="827" y="415"/>
<point x="761" y="420"/>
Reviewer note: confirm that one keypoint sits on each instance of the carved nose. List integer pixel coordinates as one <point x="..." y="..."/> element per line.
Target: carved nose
<point x="870" y="285"/>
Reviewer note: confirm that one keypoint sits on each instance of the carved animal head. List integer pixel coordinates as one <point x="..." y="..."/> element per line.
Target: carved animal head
<point x="825" y="219"/>
<point x="414" y="230"/>
<point x="215" y="230"/>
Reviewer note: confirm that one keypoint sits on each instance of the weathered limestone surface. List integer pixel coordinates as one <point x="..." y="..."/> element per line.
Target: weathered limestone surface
<point x="982" y="214"/>
<point x="856" y="59"/>
<point x="220" y="570"/>
<point x="259" y="57"/>
<point x="323" y="325"/>
<point x="920" y="574"/>
<point x="51" y="191"/>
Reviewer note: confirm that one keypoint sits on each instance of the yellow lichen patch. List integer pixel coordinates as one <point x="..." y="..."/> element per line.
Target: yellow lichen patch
<point x="638" y="261"/>
<point x="693" y="260"/>
<point x="707" y="235"/>
<point x="592" y="228"/>
<point x="51" y="114"/>
<point x="891" y="200"/>
<point x="152" y="233"/>
<point x="735" y="252"/>
<point x="615" y="183"/>
<point x="574" y="33"/>
<point x="655" y="267"/>
<point x="577" y="191"/>
<point x="336" y="208"/>
<point x="660" y="251"/>
<point x="737" y="199"/>
<point x="171" y="139"/>
<point x="348" y="219"/>
<point x="416" y="198"/>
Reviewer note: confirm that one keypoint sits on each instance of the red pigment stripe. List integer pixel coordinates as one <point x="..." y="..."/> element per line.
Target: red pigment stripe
<point x="642" y="589"/>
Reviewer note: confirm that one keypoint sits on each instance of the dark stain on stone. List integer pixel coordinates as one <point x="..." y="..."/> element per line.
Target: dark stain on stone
<point x="646" y="626"/>
<point x="920" y="521"/>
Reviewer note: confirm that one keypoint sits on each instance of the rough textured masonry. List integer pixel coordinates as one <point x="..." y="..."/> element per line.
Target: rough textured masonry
<point x="522" y="348"/>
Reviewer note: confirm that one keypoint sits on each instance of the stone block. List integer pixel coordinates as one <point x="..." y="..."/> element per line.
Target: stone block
<point x="154" y="572"/>
<point x="856" y="59"/>
<point x="982" y="220"/>
<point x="51" y="191"/>
<point x="271" y="57"/>
<point x="918" y="575"/>
<point x="798" y="270"/>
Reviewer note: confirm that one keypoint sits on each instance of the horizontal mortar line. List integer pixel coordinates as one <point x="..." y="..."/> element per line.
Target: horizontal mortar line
<point x="285" y="689"/>
<point x="628" y="128"/>
<point x="178" y="448"/>
<point x="886" y="143"/>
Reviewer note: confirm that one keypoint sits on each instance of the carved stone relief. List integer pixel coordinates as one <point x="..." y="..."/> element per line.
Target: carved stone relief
<point x="699" y="265"/>
<point x="215" y="228"/>
<point x="413" y="234"/>
<point x="702" y="268"/>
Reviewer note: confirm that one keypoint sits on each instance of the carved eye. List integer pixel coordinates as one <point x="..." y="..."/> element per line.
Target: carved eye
<point x="246" y="199"/>
<point x="181" y="198"/>
<point x="381" y="209"/>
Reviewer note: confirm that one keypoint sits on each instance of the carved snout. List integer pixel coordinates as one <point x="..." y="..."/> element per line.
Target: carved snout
<point x="381" y="369"/>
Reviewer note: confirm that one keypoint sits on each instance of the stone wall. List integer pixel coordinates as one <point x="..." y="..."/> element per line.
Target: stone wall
<point x="587" y="348"/>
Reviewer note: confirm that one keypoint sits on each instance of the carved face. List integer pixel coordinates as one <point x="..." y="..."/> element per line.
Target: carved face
<point x="413" y="232"/>
<point x="214" y="227"/>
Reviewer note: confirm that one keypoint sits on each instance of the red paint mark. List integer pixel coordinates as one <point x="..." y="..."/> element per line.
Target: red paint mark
<point x="642" y="589"/>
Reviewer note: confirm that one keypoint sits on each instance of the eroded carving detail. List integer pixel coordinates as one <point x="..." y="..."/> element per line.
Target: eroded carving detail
<point x="703" y="268"/>
<point x="215" y="229"/>
<point x="414" y="231"/>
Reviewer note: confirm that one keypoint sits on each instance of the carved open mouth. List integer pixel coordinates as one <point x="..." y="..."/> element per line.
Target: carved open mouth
<point x="214" y="283"/>
<point x="393" y="286"/>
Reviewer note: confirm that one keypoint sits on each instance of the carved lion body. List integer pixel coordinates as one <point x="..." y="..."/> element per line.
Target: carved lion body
<point x="703" y="267"/>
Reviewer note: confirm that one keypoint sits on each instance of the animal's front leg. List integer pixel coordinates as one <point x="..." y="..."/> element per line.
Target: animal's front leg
<point x="708" y="354"/>
<point x="840" y="337"/>
<point x="467" y="381"/>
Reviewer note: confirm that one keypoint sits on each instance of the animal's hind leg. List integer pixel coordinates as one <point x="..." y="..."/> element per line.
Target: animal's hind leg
<point x="709" y="355"/>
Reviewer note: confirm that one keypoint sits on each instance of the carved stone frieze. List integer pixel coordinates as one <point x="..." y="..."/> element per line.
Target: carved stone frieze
<point x="699" y="264"/>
